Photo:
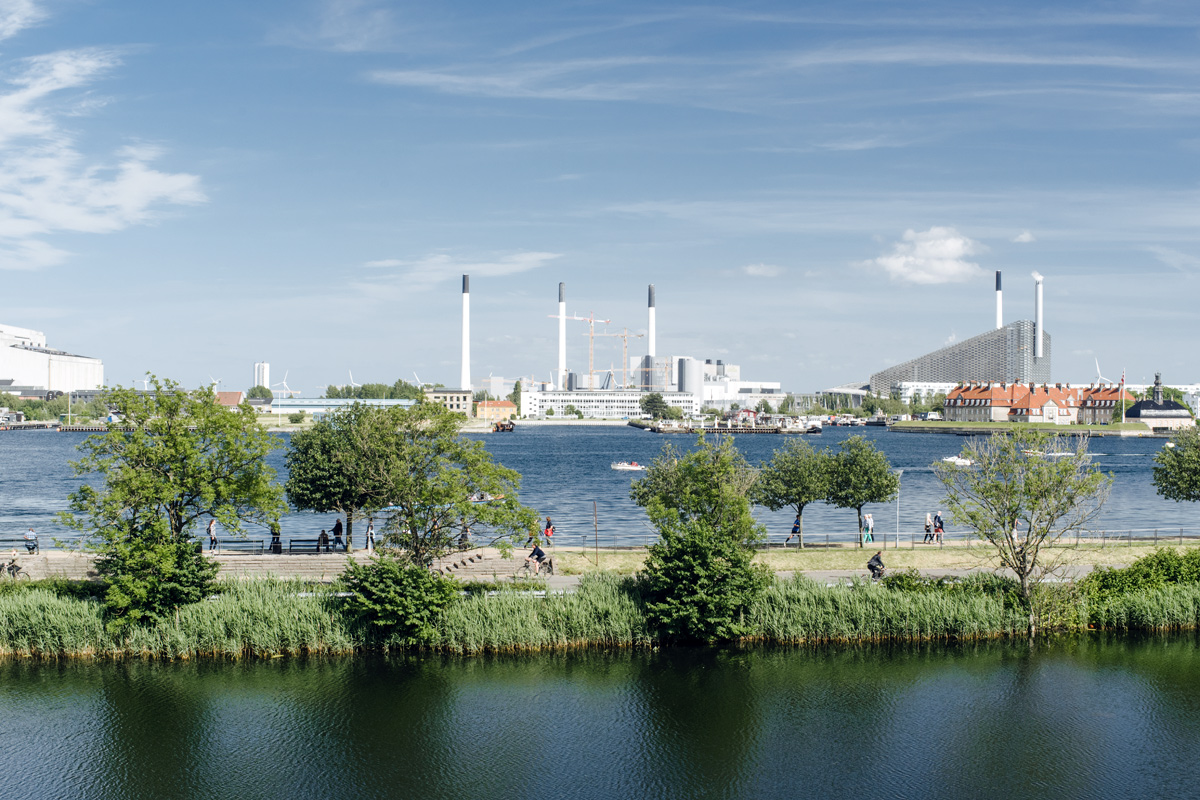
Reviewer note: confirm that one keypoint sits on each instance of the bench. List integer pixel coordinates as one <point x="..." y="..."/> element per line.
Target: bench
<point x="309" y="546"/>
<point x="17" y="543"/>
<point x="248" y="546"/>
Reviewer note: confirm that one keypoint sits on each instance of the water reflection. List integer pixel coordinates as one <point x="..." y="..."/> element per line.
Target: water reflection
<point x="1081" y="718"/>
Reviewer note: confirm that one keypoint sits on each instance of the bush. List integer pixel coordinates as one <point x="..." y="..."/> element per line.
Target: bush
<point x="699" y="583"/>
<point x="1158" y="570"/>
<point x="148" y="579"/>
<point x="396" y="601"/>
<point x="296" y="418"/>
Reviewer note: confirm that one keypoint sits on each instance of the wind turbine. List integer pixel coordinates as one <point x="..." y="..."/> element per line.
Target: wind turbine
<point x="289" y="391"/>
<point x="145" y="382"/>
<point x="352" y="383"/>
<point x="420" y="385"/>
<point x="1100" y="378"/>
<point x="214" y="382"/>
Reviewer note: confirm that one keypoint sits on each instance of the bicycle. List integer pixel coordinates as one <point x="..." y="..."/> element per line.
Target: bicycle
<point x="547" y="568"/>
<point x="13" y="571"/>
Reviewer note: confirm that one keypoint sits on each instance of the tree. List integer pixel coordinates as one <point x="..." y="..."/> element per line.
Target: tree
<point x="1021" y="501"/>
<point x="860" y="474"/>
<point x="763" y="407"/>
<point x="1177" y="467"/>
<point x="795" y="476"/>
<point x="260" y="392"/>
<point x="177" y="458"/>
<point x="654" y="405"/>
<point x="392" y="599"/>
<point x="412" y="466"/>
<point x="1122" y="407"/>
<point x="699" y="578"/>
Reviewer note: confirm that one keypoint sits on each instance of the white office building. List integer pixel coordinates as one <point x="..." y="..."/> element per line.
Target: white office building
<point x="27" y="362"/>
<point x="262" y="374"/>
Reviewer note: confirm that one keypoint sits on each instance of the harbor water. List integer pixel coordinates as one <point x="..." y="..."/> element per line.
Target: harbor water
<point x="566" y="475"/>
<point x="1086" y="718"/>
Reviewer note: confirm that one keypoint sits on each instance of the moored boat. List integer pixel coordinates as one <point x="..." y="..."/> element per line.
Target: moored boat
<point x="628" y="466"/>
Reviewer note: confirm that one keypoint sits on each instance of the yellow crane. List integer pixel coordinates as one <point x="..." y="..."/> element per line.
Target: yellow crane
<point x="624" y="336"/>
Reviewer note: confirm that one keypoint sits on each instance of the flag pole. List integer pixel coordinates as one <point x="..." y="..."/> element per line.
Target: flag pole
<point x="1122" y="397"/>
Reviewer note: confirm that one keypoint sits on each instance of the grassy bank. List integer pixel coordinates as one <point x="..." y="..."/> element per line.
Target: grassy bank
<point x="266" y="618"/>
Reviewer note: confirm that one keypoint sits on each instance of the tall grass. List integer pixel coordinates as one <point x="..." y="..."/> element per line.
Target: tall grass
<point x="1174" y="607"/>
<point x="38" y="622"/>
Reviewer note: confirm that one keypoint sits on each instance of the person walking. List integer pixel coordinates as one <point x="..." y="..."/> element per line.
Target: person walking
<point x="276" y="544"/>
<point x="928" y="528"/>
<point x="938" y="530"/>
<point x="337" y="535"/>
<point x="212" y="536"/>
<point x="868" y="528"/>
<point x="371" y="535"/>
<point x="549" y="532"/>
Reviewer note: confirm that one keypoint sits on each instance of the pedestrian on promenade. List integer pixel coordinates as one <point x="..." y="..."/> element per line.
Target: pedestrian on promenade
<point x="323" y="541"/>
<point x="795" y="531"/>
<point x="868" y="528"/>
<point x="928" y="528"/>
<point x="212" y="536"/>
<point x="549" y="531"/>
<point x="31" y="542"/>
<point x="938" y="530"/>
<point x="276" y="544"/>
<point x="337" y="535"/>
<point x="371" y="535"/>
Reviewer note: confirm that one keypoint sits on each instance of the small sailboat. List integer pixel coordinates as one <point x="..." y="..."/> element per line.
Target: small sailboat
<point x="628" y="466"/>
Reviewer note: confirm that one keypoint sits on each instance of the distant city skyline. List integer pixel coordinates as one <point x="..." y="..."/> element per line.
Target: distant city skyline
<point x="817" y="192"/>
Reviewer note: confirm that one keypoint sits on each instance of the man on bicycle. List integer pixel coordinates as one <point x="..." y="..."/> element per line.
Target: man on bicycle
<point x="536" y="557"/>
<point x="876" y="565"/>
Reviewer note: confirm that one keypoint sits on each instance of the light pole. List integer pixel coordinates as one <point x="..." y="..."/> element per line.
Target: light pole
<point x="898" y="472"/>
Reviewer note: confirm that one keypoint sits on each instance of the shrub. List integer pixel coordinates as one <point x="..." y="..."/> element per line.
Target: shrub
<point x="1158" y="570"/>
<point x="396" y="601"/>
<point x="296" y="418"/>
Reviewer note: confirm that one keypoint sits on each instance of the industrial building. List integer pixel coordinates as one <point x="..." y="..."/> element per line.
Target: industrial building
<point x="29" y="367"/>
<point x="1015" y="353"/>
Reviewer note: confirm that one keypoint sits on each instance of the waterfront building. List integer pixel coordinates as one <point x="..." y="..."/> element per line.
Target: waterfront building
<point x="1060" y="404"/>
<point x="322" y="405"/>
<point x="27" y="365"/>
<point x="1159" y="414"/>
<point x="495" y="410"/>
<point x="905" y="391"/>
<point x="458" y="400"/>
<point x="612" y="404"/>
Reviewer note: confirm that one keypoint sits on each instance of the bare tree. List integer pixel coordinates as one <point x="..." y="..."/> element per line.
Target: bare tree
<point x="1022" y="494"/>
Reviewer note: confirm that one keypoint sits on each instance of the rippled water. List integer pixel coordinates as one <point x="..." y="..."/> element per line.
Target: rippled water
<point x="1083" y="719"/>
<point x="566" y="470"/>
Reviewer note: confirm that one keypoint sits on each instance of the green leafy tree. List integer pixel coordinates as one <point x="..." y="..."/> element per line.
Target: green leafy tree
<point x="699" y="579"/>
<point x="763" y="407"/>
<point x="860" y="474"/>
<point x="795" y="476"/>
<point x="1121" y="409"/>
<point x="395" y="600"/>
<point x="177" y="458"/>
<point x="654" y="405"/>
<point x="260" y="392"/>
<point x="1177" y="467"/>
<point x="515" y="396"/>
<point x="1022" y="502"/>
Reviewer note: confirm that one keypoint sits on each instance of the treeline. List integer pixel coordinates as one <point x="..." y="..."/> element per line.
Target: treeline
<point x="400" y="390"/>
<point x="53" y="409"/>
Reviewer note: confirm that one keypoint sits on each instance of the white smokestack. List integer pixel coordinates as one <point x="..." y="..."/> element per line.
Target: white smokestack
<point x="562" y="336"/>
<point x="1038" y="332"/>
<point x="465" y="379"/>
<point x="650" y="327"/>
<point x="999" y="302"/>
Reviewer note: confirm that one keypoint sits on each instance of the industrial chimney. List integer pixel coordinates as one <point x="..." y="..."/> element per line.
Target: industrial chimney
<point x="1038" y="332"/>
<point x="999" y="302"/>
<point x="650" y="328"/>
<point x="465" y="380"/>
<point x="562" y="336"/>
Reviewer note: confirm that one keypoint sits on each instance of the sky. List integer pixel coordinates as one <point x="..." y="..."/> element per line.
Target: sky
<point x="817" y="190"/>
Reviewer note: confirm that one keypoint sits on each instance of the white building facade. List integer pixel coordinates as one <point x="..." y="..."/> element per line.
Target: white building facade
<point x="26" y="361"/>
<point x="614" y="404"/>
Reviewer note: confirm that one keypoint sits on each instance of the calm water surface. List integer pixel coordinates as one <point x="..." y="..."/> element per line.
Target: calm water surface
<point x="566" y="470"/>
<point x="1083" y="719"/>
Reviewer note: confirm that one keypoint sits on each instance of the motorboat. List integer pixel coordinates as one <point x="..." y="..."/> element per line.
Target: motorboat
<point x="628" y="466"/>
<point x="958" y="461"/>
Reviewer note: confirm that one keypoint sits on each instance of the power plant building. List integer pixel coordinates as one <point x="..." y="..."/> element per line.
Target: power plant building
<point x="27" y="365"/>
<point x="1015" y="353"/>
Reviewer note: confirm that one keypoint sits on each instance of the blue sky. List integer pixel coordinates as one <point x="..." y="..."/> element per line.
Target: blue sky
<point x="817" y="190"/>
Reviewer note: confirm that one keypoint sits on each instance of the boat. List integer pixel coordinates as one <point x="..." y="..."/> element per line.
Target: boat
<point x="503" y="426"/>
<point x="958" y="461"/>
<point x="628" y="466"/>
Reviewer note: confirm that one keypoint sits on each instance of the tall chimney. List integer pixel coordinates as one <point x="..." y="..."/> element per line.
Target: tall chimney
<point x="999" y="303"/>
<point x="1038" y="332"/>
<point x="465" y="380"/>
<point x="562" y="336"/>
<point x="650" y="327"/>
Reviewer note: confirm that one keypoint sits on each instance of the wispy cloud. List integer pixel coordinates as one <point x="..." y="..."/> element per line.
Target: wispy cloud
<point x="344" y="26"/>
<point x="761" y="270"/>
<point x="422" y="274"/>
<point x="1024" y="237"/>
<point x="17" y="15"/>
<point x="937" y="255"/>
<point x="1183" y="262"/>
<point x="47" y="187"/>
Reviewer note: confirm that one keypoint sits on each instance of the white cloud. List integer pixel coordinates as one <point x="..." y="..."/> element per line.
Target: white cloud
<point x="344" y="26"/>
<point x="1175" y="259"/>
<point x="937" y="255"/>
<point x="761" y="270"/>
<point x="425" y="273"/>
<point x="1024" y="237"/>
<point x="17" y="15"/>
<point x="46" y="185"/>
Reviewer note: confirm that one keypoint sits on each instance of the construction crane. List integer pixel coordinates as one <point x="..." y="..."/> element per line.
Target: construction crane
<point x="591" y="320"/>
<point x="625" y="334"/>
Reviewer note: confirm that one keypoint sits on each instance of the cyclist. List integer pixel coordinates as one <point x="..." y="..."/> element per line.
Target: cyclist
<point x="536" y="556"/>
<point x="876" y="565"/>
